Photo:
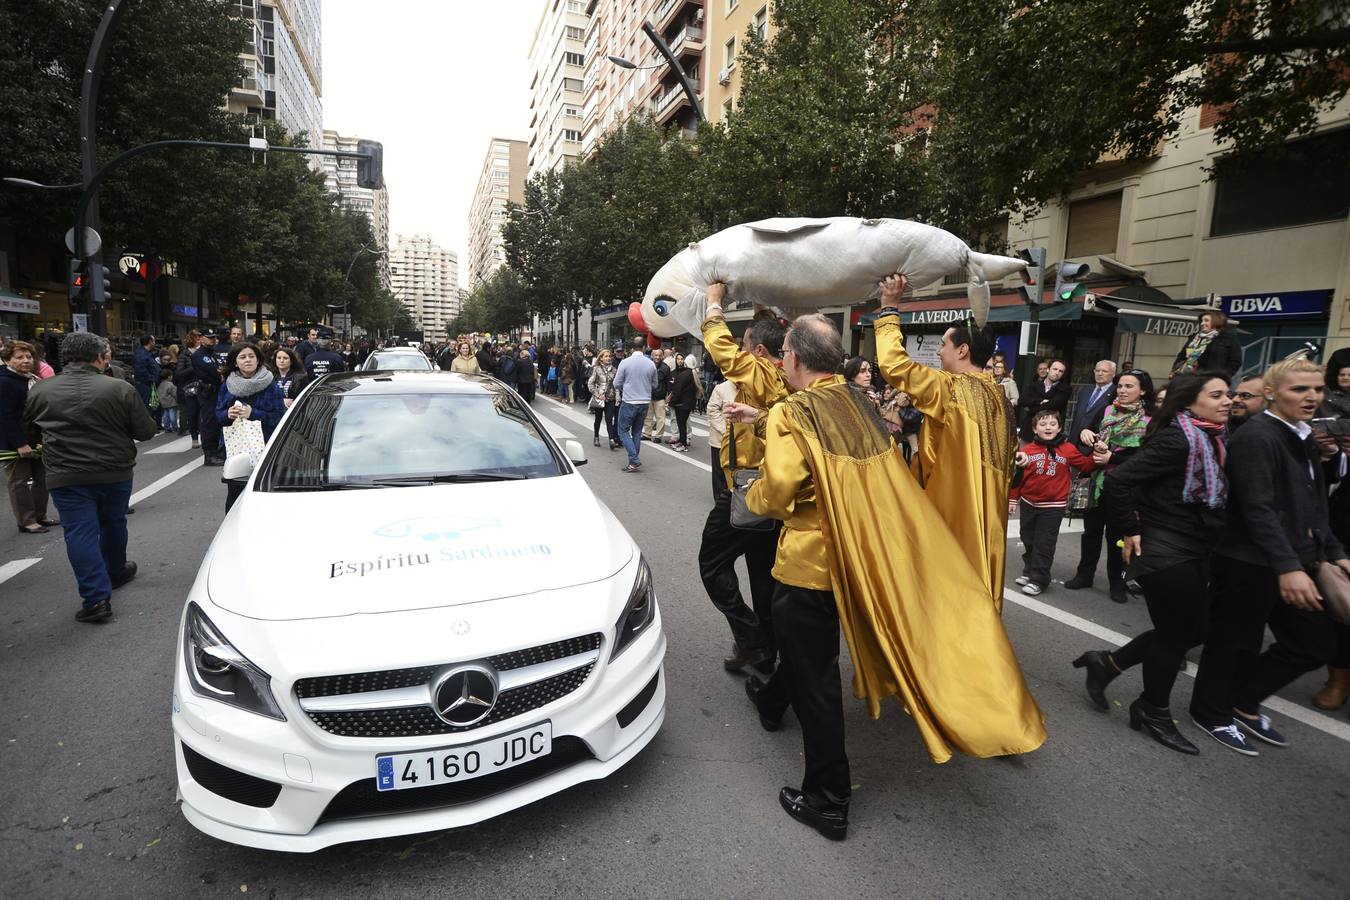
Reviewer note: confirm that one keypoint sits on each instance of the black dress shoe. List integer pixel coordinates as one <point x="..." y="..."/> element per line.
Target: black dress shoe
<point x="752" y="688"/>
<point x="214" y="461"/>
<point x="131" y="510"/>
<point x="99" y="612"/>
<point x="1101" y="671"/>
<point x="1157" y="721"/>
<point x="1118" y="592"/>
<point x="831" y="823"/>
<point x="128" y="573"/>
<point x="740" y="658"/>
<point x="1078" y="582"/>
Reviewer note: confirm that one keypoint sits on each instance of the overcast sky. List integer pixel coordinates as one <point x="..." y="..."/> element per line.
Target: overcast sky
<point x="434" y="81"/>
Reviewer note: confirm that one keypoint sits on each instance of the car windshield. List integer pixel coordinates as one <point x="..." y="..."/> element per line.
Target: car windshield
<point x="337" y="439"/>
<point x="398" y="361"/>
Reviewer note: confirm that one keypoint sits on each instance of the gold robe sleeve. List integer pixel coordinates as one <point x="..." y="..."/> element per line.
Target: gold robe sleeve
<point x="784" y="491"/>
<point x="928" y="388"/>
<point x="759" y="383"/>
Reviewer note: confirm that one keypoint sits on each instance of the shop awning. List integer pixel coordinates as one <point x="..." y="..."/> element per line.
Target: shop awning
<point x="1004" y="307"/>
<point x="1145" y="310"/>
<point x="13" y="303"/>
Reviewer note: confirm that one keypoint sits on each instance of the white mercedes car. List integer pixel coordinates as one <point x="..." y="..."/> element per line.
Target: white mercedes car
<point x="386" y="637"/>
<point x="397" y="359"/>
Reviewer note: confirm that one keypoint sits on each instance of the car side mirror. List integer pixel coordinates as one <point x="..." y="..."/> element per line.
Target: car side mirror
<point x="237" y="468"/>
<point x="575" y="452"/>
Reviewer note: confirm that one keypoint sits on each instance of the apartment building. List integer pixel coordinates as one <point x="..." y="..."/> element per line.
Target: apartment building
<point x="557" y="63"/>
<point x="340" y="177"/>
<point x="727" y="23"/>
<point x="425" y="278"/>
<point x="283" y="66"/>
<point x="1269" y="245"/>
<point x="501" y="181"/>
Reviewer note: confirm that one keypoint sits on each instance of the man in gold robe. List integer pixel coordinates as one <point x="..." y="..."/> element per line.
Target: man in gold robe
<point x="753" y="366"/>
<point x="967" y="442"/>
<point x="915" y="614"/>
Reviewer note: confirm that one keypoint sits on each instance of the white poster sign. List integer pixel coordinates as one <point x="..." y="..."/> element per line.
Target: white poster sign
<point x="923" y="348"/>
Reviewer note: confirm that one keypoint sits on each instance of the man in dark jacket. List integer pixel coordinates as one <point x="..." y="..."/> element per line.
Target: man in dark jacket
<point x="505" y="367"/>
<point x="145" y="369"/>
<point x="1050" y="393"/>
<point x="1277" y="535"/>
<point x="306" y="347"/>
<point x="206" y="370"/>
<point x="323" y="361"/>
<point x="487" y="360"/>
<point x="526" y="375"/>
<point x="88" y="425"/>
<point x="1093" y="400"/>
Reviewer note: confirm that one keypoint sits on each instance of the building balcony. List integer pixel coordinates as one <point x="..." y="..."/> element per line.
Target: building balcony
<point x="668" y="104"/>
<point x="667" y="11"/>
<point x="689" y="40"/>
<point x="247" y="92"/>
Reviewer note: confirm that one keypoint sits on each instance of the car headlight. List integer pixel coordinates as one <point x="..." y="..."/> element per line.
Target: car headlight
<point x="639" y="612"/>
<point x="220" y="672"/>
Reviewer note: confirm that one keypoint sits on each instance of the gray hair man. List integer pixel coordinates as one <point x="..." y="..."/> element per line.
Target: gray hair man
<point x="89" y="425"/>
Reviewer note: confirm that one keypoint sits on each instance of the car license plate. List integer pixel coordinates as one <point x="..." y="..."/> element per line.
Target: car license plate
<point x="428" y="768"/>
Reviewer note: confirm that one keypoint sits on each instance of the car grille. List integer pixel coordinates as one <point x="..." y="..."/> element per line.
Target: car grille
<point x="226" y="782"/>
<point x="361" y="799"/>
<point x="415" y="721"/>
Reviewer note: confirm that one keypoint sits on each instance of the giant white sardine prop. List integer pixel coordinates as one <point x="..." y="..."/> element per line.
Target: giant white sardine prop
<point x="796" y="264"/>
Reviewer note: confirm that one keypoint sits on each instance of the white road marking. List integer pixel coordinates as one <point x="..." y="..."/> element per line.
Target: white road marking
<point x="182" y="445"/>
<point x="157" y="486"/>
<point x="10" y="569"/>
<point x="590" y="423"/>
<point x="556" y="431"/>
<point x="1324" y="724"/>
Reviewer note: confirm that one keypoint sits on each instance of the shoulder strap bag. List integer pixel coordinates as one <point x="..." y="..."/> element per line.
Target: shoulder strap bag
<point x="741" y="516"/>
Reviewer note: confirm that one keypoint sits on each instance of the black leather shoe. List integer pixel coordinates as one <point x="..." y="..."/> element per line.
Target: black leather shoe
<point x="1101" y="671"/>
<point x="1078" y="582"/>
<point x="752" y="688"/>
<point x="1157" y="721"/>
<point x="831" y="823"/>
<point x="214" y="461"/>
<point x="128" y="573"/>
<point x="99" y="612"/>
<point x="740" y="658"/>
<point x="1118" y="592"/>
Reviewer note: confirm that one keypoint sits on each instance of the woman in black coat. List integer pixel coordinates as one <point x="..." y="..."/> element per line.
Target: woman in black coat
<point x="683" y="397"/>
<point x="1214" y="348"/>
<point x="1168" y="501"/>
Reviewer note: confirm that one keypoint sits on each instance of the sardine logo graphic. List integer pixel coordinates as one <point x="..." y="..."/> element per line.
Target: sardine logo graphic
<point x="435" y="528"/>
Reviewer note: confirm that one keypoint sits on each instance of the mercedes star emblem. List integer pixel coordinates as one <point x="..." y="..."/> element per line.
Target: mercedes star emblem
<point x="465" y="695"/>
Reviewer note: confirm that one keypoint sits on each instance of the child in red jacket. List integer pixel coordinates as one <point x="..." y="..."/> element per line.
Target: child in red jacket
<point x="1041" y="484"/>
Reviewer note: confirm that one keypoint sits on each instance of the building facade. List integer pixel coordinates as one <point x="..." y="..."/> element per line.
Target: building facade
<point x="557" y="63"/>
<point x="501" y="181"/>
<point x="728" y="22"/>
<point x="425" y="278"/>
<point x="283" y="66"/>
<point x="340" y="177"/>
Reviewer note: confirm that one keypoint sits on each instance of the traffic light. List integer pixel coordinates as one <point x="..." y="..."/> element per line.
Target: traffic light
<point x="100" y="284"/>
<point x="370" y="171"/>
<point x="1067" y="284"/>
<point x="1033" y="274"/>
<point x="77" y="282"/>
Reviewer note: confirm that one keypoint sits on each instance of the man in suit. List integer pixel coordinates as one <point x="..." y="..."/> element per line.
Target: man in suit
<point x="1092" y="403"/>
<point x="1052" y="392"/>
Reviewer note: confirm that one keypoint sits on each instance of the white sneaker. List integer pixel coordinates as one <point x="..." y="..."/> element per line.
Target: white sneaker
<point x="1022" y="579"/>
<point x="1031" y="589"/>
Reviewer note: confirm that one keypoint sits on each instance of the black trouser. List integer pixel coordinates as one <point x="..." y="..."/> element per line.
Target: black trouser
<point x="610" y="414"/>
<point x="719" y="477"/>
<point x="722" y="544"/>
<point x="526" y="390"/>
<point x="1040" y="536"/>
<point x="207" y="425"/>
<point x="682" y="420"/>
<point x="1234" y="673"/>
<point x="807" y="625"/>
<point x="1342" y="658"/>
<point x="1179" y="604"/>
<point x="1095" y="523"/>
<point x="189" y="411"/>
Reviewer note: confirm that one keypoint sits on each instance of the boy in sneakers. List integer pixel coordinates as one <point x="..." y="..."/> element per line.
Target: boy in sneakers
<point x="1040" y="495"/>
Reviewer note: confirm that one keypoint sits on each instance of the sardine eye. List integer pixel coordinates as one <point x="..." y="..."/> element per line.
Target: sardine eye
<point x="663" y="304"/>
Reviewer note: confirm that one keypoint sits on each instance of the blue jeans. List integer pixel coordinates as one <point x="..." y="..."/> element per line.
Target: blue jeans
<point x="169" y="418"/>
<point x="94" y="519"/>
<point x="631" y="417"/>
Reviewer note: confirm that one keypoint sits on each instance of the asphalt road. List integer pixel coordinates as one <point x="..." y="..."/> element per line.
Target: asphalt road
<point x="87" y="794"/>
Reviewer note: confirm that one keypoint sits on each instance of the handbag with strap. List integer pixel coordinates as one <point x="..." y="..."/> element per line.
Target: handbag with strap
<point x="741" y="516"/>
<point x="245" y="438"/>
<point x="1334" y="586"/>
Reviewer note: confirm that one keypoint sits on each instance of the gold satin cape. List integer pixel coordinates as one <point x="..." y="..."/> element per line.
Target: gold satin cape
<point x="914" y="613"/>
<point x="966" y="449"/>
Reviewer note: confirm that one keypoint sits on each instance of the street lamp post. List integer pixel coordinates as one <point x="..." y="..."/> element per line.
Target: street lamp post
<point x="674" y="64"/>
<point x="346" y="319"/>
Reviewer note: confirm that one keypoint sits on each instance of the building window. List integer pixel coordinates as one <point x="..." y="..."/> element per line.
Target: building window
<point x="574" y="59"/>
<point x="1093" y="226"/>
<point x="731" y="5"/>
<point x="575" y="34"/>
<point x="729" y="53"/>
<point x="571" y="135"/>
<point x="1310" y="183"/>
<point x="762" y="23"/>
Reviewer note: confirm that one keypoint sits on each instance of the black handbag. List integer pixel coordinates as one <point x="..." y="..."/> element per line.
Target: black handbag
<point x="741" y="516"/>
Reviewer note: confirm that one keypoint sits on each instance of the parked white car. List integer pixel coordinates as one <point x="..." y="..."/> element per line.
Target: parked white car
<point x="417" y="649"/>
